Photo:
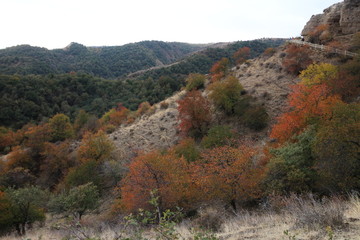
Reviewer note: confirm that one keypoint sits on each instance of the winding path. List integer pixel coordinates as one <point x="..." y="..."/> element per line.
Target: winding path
<point x="325" y="48"/>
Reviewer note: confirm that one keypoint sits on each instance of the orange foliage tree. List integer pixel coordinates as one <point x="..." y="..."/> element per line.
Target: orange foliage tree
<point x="297" y="58"/>
<point x="219" y="69"/>
<point x="228" y="174"/>
<point x="308" y="104"/>
<point x="116" y="116"/>
<point x="320" y="34"/>
<point x="335" y="78"/>
<point x="194" y="114"/>
<point x="168" y="174"/>
<point x="97" y="147"/>
<point x="20" y="157"/>
<point x="7" y="139"/>
<point x="36" y="136"/>
<point x="241" y="55"/>
<point x="28" y="155"/>
<point x="56" y="163"/>
<point x="269" y="52"/>
<point x="143" y="108"/>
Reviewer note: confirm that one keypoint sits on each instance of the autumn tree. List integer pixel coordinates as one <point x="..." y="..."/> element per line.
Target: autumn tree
<point x="269" y="52"/>
<point x="97" y="147"/>
<point x="241" y="55"/>
<point x="297" y="58"/>
<point x="308" y="105"/>
<point x="143" y="108"/>
<point x="195" y="81"/>
<point x="335" y="78"/>
<point x="60" y="127"/>
<point x="310" y="100"/>
<point x="228" y="174"/>
<point x="320" y="34"/>
<point x="219" y="69"/>
<point x="194" y="114"/>
<point x="167" y="173"/>
<point x="56" y="163"/>
<point x="21" y="157"/>
<point x="7" y="139"/>
<point x="115" y="116"/>
<point x="348" y="82"/>
<point x="225" y="94"/>
<point x="337" y="148"/>
<point x="35" y="137"/>
<point x="316" y="74"/>
<point x="94" y="151"/>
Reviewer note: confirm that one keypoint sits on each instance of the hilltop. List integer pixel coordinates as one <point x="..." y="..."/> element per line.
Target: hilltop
<point x="106" y="62"/>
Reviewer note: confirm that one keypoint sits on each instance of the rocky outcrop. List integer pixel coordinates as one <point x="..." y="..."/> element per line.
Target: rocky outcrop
<point x="350" y="17"/>
<point x="342" y="19"/>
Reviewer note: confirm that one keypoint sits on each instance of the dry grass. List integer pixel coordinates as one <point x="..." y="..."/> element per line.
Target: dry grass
<point x="312" y="213"/>
<point x="300" y="218"/>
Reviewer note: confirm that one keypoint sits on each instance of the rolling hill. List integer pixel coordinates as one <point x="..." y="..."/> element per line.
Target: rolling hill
<point x="38" y="83"/>
<point x="107" y="62"/>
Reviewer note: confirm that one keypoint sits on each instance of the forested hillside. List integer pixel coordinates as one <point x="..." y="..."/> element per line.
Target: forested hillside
<point x="32" y="98"/>
<point x="169" y="141"/>
<point x="107" y="62"/>
<point x="206" y="158"/>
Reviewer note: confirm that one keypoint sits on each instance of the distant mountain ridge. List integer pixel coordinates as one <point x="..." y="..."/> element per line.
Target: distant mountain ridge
<point x="42" y="93"/>
<point x="107" y="62"/>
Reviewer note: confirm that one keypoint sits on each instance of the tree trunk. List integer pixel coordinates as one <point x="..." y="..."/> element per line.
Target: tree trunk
<point x="18" y="230"/>
<point x="233" y="204"/>
<point x="23" y="229"/>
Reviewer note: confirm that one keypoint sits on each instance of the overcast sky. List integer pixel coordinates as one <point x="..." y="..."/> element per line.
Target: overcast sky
<point x="56" y="23"/>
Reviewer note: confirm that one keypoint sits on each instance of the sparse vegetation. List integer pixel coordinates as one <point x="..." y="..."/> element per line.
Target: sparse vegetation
<point x="312" y="213"/>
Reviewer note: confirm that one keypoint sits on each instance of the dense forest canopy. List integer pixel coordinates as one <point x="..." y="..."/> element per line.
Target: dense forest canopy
<point x="107" y="62"/>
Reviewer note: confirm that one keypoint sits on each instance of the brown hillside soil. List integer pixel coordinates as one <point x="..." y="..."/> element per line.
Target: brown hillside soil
<point x="157" y="131"/>
<point x="265" y="79"/>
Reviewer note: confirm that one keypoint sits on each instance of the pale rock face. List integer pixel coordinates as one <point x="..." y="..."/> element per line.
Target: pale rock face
<point x="350" y="17"/>
<point x="342" y="18"/>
